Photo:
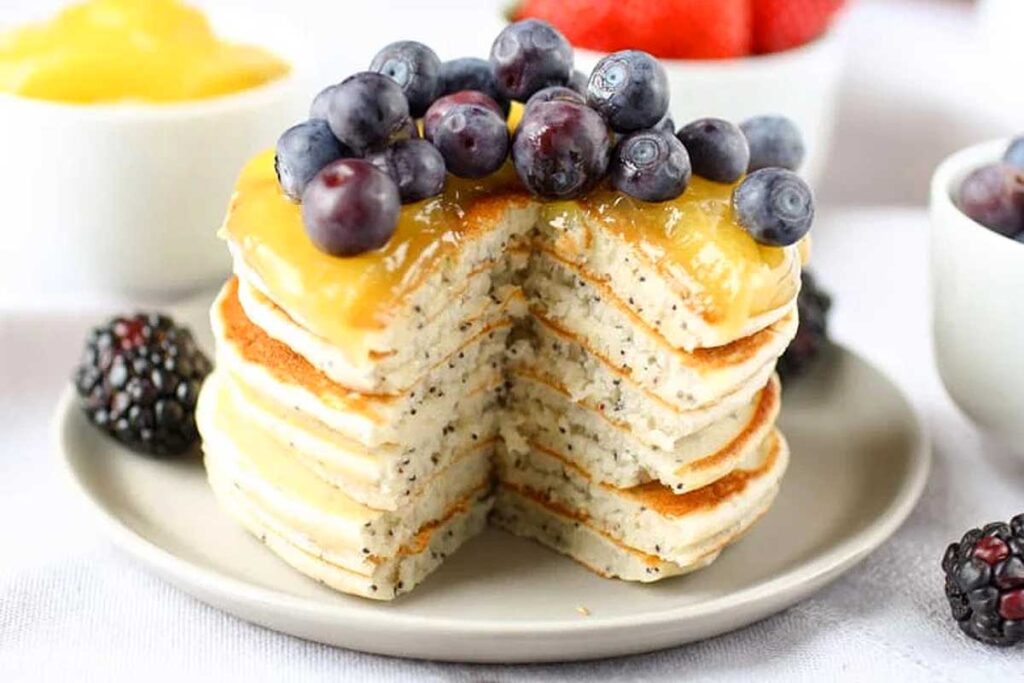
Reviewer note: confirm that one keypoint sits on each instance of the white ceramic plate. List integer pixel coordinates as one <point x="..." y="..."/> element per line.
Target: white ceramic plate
<point x="859" y="463"/>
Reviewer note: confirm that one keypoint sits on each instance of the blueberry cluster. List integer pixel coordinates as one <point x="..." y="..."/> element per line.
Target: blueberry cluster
<point x="993" y="195"/>
<point x="362" y="153"/>
<point x="985" y="582"/>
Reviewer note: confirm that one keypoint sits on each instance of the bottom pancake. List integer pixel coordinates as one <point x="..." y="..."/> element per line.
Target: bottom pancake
<point x="645" y="533"/>
<point x="389" y="579"/>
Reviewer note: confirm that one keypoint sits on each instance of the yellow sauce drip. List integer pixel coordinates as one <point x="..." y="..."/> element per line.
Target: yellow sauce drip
<point x="125" y="50"/>
<point x="338" y="297"/>
<point x="693" y="240"/>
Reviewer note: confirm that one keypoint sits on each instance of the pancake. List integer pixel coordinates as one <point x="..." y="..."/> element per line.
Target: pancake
<point x="643" y="533"/>
<point x="389" y="579"/>
<point x="649" y="422"/>
<point x="273" y="493"/>
<point x="541" y="417"/>
<point x="281" y="375"/>
<point x="611" y="337"/>
<point x="447" y="258"/>
<point x="490" y="307"/>
<point x="382" y="477"/>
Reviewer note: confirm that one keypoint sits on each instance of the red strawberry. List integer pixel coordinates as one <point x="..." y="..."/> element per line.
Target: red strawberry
<point x="590" y="24"/>
<point x="686" y="29"/>
<point x="784" y="24"/>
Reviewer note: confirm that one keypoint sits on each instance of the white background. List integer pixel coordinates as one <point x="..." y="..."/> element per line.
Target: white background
<point x="917" y="88"/>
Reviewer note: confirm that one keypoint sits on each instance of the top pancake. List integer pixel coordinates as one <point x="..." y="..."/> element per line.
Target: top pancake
<point x="684" y="266"/>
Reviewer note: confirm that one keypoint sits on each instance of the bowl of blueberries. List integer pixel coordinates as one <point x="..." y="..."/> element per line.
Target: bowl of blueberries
<point x="977" y="269"/>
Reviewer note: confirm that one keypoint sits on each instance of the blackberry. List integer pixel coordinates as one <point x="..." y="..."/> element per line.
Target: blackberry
<point x="813" y="306"/>
<point x="138" y="381"/>
<point x="985" y="582"/>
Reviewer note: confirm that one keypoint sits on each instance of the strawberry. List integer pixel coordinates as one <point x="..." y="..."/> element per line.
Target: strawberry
<point x="591" y="24"/>
<point x="686" y="29"/>
<point x="784" y="24"/>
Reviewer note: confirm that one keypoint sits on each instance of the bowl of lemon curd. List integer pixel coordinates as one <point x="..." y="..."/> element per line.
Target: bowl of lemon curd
<point x="124" y="124"/>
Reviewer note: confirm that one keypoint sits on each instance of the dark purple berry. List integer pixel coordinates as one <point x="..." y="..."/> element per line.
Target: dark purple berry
<point x="416" y="167"/>
<point x="813" y="304"/>
<point x="472" y="139"/>
<point x="773" y="141"/>
<point x="718" y="150"/>
<point x="322" y="103"/>
<point x="529" y="55"/>
<point x="302" y="151"/>
<point x="991" y="550"/>
<point x="775" y="206"/>
<point x="415" y="68"/>
<point x="984" y="582"/>
<point x="561" y="150"/>
<point x="993" y="195"/>
<point x="629" y="89"/>
<point x="471" y="73"/>
<point x="367" y="110"/>
<point x="556" y="93"/>
<point x="1014" y="155"/>
<point x="650" y="165"/>
<point x="439" y="108"/>
<point x="350" y="207"/>
<point x="578" y="82"/>
<point x="138" y="381"/>
<point x="666" y="124"/>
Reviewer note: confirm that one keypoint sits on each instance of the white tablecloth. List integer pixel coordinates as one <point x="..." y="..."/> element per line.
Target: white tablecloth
<point x="71" y="608"/>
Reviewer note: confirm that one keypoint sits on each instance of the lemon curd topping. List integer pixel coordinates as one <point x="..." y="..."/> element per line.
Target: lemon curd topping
<point x="693" y="240"/>
<point x="335" y="297"/>
<point x="129" y="50"/>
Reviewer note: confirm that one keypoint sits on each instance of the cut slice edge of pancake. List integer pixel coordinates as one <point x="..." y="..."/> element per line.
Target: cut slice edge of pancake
<point x="636" y="534"/>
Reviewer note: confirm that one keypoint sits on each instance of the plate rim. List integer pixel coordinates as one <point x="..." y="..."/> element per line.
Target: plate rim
<point x="200" y="581"/>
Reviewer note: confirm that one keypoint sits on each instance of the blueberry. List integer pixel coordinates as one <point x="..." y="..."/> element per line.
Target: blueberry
<point x="1015" y="153"/>
<point x="666" y="124"/>
<point x="561" y="149"/>
<point x="367" y="110"/>
<point x="440" y="107"/>
<point x="651" y="165"/>
<point x="472" y="139"/>
<point x="350" y="207"/>
<point x="775" y="206"/>
<point x="471" y="73"/>
<point x="322" y="103"/>
<point x="302" y="151"/>
<point x="773" y="141"/>
<point x="578" y="82"/>
<point x="416" y="167"/>
<point x="529" y="55"/>
<point x="993" y="195"/>
<point x="630" y="89"/>
<point x="554" y="93"/>
<point x="718" y="150"/>
<point x="416" y="69"/>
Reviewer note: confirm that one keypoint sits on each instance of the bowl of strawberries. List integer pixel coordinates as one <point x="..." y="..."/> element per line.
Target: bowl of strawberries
<point x="732" y="59"/>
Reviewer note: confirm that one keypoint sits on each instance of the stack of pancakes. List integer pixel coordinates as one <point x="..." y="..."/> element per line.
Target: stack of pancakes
<point x="367" y="414"/>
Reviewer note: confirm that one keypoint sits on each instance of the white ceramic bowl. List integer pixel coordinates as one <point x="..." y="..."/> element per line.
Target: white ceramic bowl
<point x="977" y="317"/>
<point x="126" y="199"/>
<point x="801" y="83"/>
